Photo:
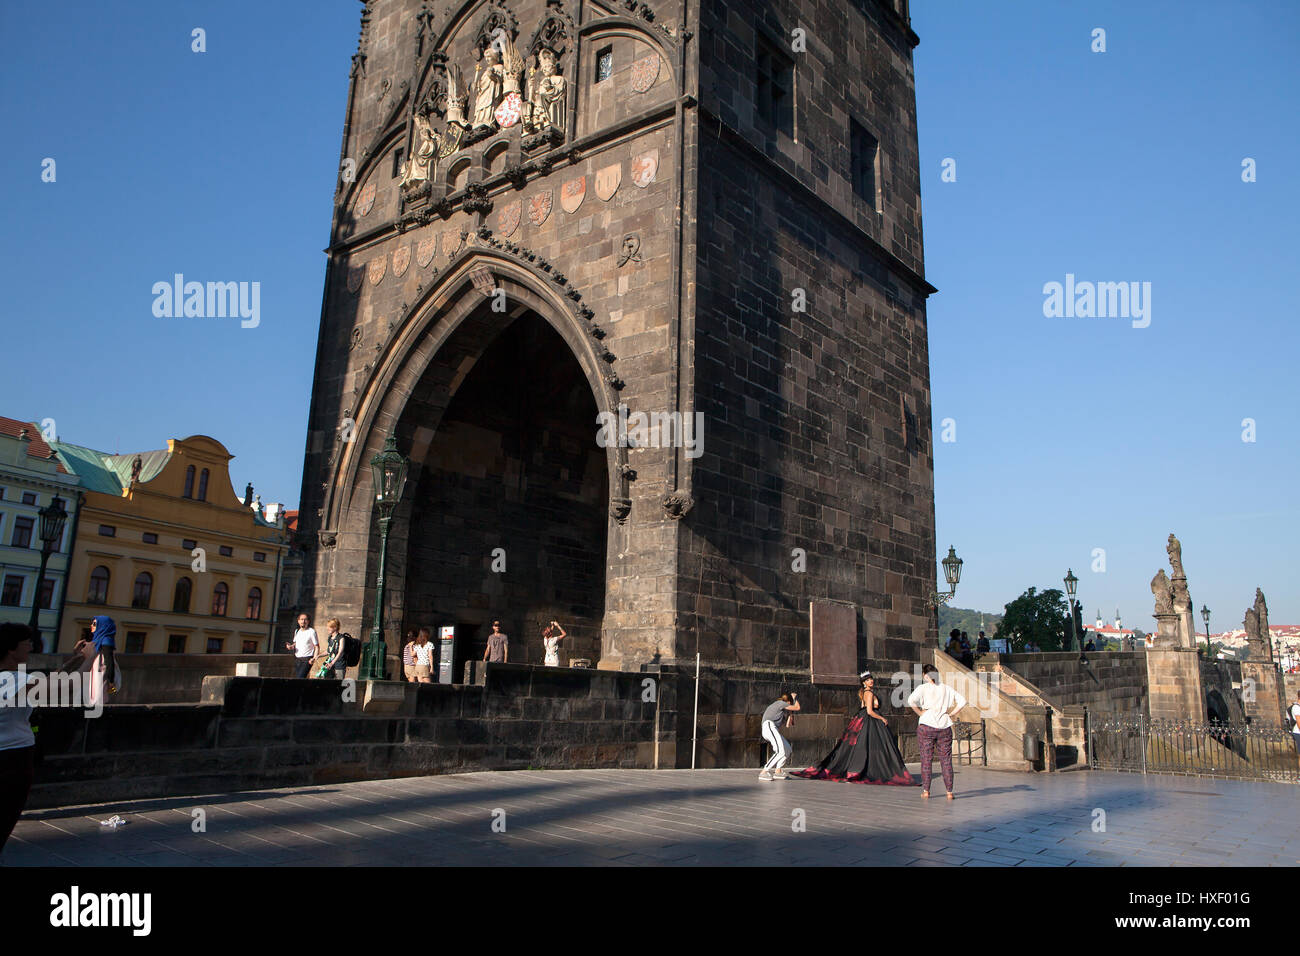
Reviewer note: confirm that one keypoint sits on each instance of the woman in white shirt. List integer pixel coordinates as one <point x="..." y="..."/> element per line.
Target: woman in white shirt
<point x="551" y="638"/>
<point x="422" y="653"/>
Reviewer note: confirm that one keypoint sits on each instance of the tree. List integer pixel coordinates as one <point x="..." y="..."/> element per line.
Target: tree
<point x="1041" y="617"/>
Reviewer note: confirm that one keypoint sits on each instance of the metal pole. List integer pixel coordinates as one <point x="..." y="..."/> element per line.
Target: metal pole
<point x="34" y="623"/>
<point x="373" y="667"/>
<point x="695" y="724"/>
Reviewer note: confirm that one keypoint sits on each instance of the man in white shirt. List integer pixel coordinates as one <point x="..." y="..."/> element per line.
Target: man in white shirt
<point x="935" y="704"/>
<point x="304" y="647"/>
<point x="1295" y="721"/>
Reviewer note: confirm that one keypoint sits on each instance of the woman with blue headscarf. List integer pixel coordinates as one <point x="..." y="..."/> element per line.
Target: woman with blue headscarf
<point x="103" y="631"/>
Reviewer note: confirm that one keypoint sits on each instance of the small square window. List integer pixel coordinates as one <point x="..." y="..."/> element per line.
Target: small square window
<point x="107" y="531"/>
<point x="226" y="551"/>
<point x="605" y="64"/>
<point x="22" y="536"/>
<point x="135" y="642"/>
<point x="149" y="538"/>
<point x="215" y="644"/>
<point x="189" y="544"/>
<point x="259" y="555"/>
<point x="29" y="498"/>
<point x="176" y="644"/>
<point x="250" y="647"/>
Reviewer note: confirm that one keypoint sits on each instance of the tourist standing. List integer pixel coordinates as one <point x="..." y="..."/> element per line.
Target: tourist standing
<point x="103" y="632"/>
<point x="422" y="654"/>
<point x="967" y="655"/>
<point x="551" y="638"/>
<point x="408" y="657"/>
<point x="935" y="704"/>
<point x="982" y="645"/>
<point x="498" y="646"/>
<point x="17" y="741"/>
<point x="953" y="647"/>
<point x="304" y="646"/>
<point x="1295" y="721"/>
<point x="336" y="658"/>
<point x="783" y="708"/>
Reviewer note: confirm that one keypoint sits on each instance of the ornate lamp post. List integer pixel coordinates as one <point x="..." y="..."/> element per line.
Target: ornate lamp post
<point x="389" y="470"/>
<point x="1205" y="616"/>
<point x="1071" y="589"/>
<point x="53" y="517"/>
<point x="952" y="574"/>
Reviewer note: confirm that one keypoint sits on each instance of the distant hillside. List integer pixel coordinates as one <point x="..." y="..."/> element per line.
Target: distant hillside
<point x="968" y="620"/>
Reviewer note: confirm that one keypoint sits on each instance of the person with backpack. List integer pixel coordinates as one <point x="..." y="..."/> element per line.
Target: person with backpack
<point x="335" y="651"/>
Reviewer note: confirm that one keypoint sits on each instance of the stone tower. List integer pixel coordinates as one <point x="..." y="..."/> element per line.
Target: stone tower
<point x="702" y="224"/>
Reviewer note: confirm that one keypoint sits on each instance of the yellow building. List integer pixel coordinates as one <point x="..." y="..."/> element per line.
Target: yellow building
<point x="165" y="548"/>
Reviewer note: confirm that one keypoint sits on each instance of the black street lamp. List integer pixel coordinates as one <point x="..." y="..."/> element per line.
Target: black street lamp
<point x="389" y="473"/>
<point x="1205" y="616"/>
<point x="1072" y="588"/>
<point x="53" y="517"/>
<point x="952" y="574"/>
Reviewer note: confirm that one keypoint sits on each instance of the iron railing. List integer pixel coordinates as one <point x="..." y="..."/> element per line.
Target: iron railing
<point x="970" y="736"/>
<point x="1193" y="748"/>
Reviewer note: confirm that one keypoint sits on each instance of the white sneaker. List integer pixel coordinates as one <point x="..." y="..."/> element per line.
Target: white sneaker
<point x="780" y="775"/>
<point x="765" y="775"/>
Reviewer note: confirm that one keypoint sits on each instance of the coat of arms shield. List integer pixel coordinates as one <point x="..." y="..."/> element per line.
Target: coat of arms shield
<point x="607" y="181"/>
<point x="508" y="217"/>
<point x="573" y="193"/>
<point x="424" y="252"/>
<point x="450" y="242"/>
<point x="401" y="259"/>
<point x="644" y="168"/>
<point x="539" y="207"/>
<point x="366" y="201"/>
<point x="356" y="274"/>
<point x="377" y="268"/>
<point x="644" y="73"/>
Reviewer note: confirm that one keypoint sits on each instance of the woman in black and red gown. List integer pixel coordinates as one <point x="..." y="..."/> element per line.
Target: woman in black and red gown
<point x="867" y="752"/>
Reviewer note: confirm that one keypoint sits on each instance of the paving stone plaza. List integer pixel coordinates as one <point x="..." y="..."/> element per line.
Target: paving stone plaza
<point x="686" y="818"/>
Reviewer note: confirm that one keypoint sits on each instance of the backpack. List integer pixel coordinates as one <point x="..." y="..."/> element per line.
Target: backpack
<point x="351" y="650"/>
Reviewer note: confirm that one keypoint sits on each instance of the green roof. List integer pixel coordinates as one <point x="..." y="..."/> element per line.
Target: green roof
<point x="107" y="474"/>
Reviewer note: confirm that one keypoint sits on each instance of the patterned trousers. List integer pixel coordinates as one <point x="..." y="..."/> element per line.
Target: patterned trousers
<point x="929" y="738"/>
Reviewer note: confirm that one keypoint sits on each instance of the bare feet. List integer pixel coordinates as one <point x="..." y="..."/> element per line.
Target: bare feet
<point x="925" y="794"/>
<point x="950" y="795"/>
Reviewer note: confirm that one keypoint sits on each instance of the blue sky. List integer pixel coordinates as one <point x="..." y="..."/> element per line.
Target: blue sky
<point x="1071" y="433"/>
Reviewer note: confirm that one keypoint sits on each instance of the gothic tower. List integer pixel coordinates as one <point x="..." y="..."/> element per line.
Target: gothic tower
<point x="639" y="289"/>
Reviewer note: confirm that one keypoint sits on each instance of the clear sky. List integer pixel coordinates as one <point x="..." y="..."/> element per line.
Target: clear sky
<point x="1071" y="433"/>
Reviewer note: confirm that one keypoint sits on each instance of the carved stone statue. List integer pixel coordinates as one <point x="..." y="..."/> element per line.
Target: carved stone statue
<point x="457" y="97"/>
<point x="1259" y="645"/>
<point x="489" y="82"/>
<point x="1175" y="549"/>
<point x="422" y="165"/>
<point x="1164" y="596"/>
<point x="137" y="465"/>
<point x="248" y="494"/>
<point x="548" y="94"/>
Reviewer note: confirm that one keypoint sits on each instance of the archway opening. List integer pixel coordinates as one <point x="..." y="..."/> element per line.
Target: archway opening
<point x="510" y="512"/>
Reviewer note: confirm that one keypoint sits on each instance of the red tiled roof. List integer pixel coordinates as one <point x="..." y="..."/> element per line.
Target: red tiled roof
<point x="291" y="520"/>
<point x="36" y="448"/>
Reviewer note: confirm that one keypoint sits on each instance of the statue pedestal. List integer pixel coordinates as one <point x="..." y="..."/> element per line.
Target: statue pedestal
<point x="1167" y="630"/>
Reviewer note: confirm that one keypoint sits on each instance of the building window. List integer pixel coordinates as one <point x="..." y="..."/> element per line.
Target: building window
<point x="397" y="163"/>
<point x="865" y="160"/>
<point x="775" y="87"/>
<point x="175" y="643"/>
<point x="47" y="593"/>
<point x="149" y="538"/>
<point x="226" y="551"/>
<point x="98" y="593"/>
<point x="107" y="531"/>
<point x="605" y="64"/>
<point x="189" y="544"/>
<point x="250" y="647"/>
<point x="254" y="604"/>
<point x="181" y="596"/>
<point x="215" y="644"/>
<point x="12" y="593"/>
<point x="220" y="594"/>
<point x="22" y="536"/>
<point x="189" y="483"/>
<point x="135" y="642"/>
<point x="143" y="590"/>
<point x="203" y="485"/>
<point x="2" y="494"/>
<point x="259" y="555"/>
<point x="29" y="498"/>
